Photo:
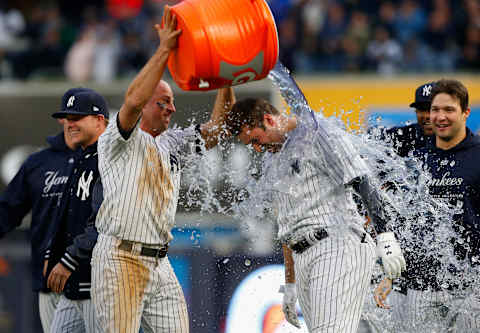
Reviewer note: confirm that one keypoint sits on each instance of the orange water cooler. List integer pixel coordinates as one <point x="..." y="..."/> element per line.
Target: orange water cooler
<point x="223" y="43"/>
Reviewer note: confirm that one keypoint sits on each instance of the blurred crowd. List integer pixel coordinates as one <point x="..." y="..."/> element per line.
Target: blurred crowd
<point x="379" y="36"/>
<point x="102" y="41"/>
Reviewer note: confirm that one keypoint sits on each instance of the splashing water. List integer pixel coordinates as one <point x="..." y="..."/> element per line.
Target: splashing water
<point x="422" y="224"/>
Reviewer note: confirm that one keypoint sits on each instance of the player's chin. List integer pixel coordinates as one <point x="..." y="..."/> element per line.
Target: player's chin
<point x="428" y="130"/>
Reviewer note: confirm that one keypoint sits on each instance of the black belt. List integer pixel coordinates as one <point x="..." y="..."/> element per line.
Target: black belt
<point x="304" y="244"/>
<point x="126" y="245"/>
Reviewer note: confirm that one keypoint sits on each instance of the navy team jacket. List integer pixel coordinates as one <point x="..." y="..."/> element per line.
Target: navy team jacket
<point x="456" y="178"/>
<point x="71" y="220"/>
<point x="38" y="186"/>
<point x="406" y="138"/>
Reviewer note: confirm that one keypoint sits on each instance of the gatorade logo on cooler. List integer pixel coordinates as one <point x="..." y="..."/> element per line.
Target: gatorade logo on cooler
<point x="241" y="74"/>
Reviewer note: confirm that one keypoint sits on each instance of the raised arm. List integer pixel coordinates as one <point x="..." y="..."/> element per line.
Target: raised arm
<point x="213" y="129"/>
<point x="290" y="90"/>
<point x="142" y="87"/>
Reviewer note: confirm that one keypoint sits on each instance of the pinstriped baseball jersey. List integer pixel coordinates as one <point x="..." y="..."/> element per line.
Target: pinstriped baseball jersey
<point x="141" y="180"/>
<point x="308" y="177"/>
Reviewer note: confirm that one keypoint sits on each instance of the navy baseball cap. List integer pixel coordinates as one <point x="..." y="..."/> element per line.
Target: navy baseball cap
<point x="82" y="101"/>
<point x="423" y="96"/>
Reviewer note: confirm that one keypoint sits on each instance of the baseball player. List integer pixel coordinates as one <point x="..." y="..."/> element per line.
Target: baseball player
<point x="452" y="157"/>
<point x="133" y="283"/>
<point x="38" y="186"/>
<point x="85" y="116"/>
<point x="406" y="139"/>
<point x="311" y="172"/>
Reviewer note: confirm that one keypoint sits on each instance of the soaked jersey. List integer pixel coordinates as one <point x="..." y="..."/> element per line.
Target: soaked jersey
<point x="141" y="182"/>
<point x="308" y="177"/>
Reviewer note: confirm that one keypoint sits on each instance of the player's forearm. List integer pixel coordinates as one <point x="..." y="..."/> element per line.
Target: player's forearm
<point x="288" y="87"/>
<point x="142" y="88"/>
<point x="289" y="265"/>
<point x="213" y="129"/>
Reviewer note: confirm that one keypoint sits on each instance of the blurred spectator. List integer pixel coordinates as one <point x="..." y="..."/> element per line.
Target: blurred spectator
<point x="79" y="59"/>
<point x="471" y="49"/>
<point x="314" y="35"/>
<point x="132" y="55"/>
<point x="440" y="52"/>
<point x="384" y="53"/>
<point x="355" y="42"/>
<point x="313" y="19"/>
<point x="386" y="17"/>
<point x="12" y="25"/>
<point x="94" y="56"/>
<point x="107" y="50"/>
<point x="409" y="21"/>
<point x="330" y="48"/>
<point x="414" y="55"/>
<point x="291" y="33"/>
<point x="49" y="39"/>
<point x="359" y="29"/>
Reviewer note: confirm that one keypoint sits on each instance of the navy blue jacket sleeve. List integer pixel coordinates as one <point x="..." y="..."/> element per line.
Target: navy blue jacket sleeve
<point x="15" y="202"/>
<point x="83" y="244"/>
<point x="374" y="203"/>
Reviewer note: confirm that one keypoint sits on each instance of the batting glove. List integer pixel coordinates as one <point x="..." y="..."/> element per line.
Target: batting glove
<point x="288" y="307"/>
<point x="388" y="250"/>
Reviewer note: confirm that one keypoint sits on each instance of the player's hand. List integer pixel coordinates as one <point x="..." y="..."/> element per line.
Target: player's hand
<point x="381" y="293"/>
<point x="289" y="302"/>
<point x="388" y="250"/>
<point x="167" y="31"/>
<point x="58" y="277"/>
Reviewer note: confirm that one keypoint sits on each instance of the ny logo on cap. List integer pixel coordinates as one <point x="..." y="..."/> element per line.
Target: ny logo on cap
<point x="70" y="101"/>
<point x="427" y="90"/>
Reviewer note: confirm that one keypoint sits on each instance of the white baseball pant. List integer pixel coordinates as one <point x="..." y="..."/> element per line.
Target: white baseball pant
<point x="130" y="290"/>
<point x="47" y="303"/>
<point x="74" y="316"/>
<point x="332" y="279"/>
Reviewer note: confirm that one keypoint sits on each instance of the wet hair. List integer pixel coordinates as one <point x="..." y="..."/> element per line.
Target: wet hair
<point x="453" y="88"/>
<point x="248" y="112"/>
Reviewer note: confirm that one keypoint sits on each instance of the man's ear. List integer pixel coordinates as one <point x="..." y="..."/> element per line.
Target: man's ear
<point x="467" y="113"/>
<point x="268" y="119"/>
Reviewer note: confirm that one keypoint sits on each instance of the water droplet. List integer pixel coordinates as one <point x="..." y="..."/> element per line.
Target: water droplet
<point x="248" y="262"/>
<point x="226" y="260"/>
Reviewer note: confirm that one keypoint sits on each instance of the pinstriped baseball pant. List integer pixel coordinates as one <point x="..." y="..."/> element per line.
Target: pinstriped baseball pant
<point x="74" y="316"/>
<point x="332" y="279"/>
<point x="130" y="290"/>
<point x="435" y="311"/>
<point x="47" y="303"/>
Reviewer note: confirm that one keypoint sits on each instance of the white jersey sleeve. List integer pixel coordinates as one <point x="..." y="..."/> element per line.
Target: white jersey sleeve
<point x="337" y="152"/>
<point x="112" y="144"/>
